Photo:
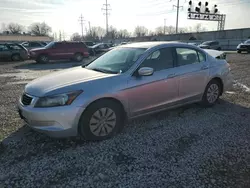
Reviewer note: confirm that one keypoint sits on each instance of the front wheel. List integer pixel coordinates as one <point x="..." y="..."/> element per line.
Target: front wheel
<point x="43" y="59"/>
<point x="212" y="93"/>
<point x="78" y="57"/>
<point x="239" y="51"/>
<point x="101" y="120"/>
<point x="16" y="57"/>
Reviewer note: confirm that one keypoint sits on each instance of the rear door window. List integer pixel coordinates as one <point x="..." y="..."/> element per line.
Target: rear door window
<point x="187" y="56"/>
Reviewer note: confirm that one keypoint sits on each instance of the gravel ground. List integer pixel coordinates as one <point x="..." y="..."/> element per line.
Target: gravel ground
<point x="186" y="147"/>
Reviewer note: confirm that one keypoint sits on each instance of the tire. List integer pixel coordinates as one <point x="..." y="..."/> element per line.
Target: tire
<point x="78" y="57"/>
<point x="219" y="48"/>
<point x="102" y="131"/>
<point x="213" y="87"/>
<point x="239" y="51"/>
<point x="16" y="57"/>
<point x="43" y="59"/>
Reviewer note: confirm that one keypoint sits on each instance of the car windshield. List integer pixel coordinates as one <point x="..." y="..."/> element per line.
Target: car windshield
<point x="116" y="61"/>
<point x="49" y="45"/>
<point x="247" y="42"/>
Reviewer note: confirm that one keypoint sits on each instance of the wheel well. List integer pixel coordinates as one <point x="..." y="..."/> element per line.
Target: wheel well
<point x="42" y="54"/>
<point x="220" y="82"/>
<point x="110" y="99"/>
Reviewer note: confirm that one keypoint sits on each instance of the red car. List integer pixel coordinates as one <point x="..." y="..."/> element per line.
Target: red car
<point x="60" y="50"/>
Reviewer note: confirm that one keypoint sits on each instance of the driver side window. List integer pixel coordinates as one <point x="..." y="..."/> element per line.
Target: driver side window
<point x="159" y="60"/>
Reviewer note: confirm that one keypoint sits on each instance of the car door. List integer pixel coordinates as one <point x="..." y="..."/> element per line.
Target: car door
<point x="151" y="93"/>
<point x="192" y="73"/>
<point x="5" y="52"/>
<point x="57" y="51"/>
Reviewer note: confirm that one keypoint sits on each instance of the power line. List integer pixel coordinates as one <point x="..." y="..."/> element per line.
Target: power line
<point x="106" y="13"/>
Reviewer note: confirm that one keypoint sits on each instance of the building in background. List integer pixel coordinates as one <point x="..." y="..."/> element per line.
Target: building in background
<point x="23" y="38"/>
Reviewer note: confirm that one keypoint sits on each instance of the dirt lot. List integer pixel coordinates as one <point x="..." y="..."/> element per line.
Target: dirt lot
<point x="187" y="147"/>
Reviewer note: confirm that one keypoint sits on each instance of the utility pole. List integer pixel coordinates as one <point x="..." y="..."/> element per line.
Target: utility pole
<point x="177" y="16"/>
<point x="60" y="36"/>
<point x="81" y="20"/>
<point x="90" y="29"/>
<point x="164" y="28"/>
<point x="106" y="9"/>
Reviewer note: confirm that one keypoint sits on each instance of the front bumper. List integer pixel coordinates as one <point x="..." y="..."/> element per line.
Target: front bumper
<point x="55" y="121"/>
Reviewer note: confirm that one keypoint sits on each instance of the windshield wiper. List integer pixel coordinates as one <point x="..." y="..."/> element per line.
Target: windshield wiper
<point x="104" y="71"/>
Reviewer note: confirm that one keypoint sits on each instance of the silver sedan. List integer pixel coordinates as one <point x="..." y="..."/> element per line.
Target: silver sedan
<point x="132" y="80"/>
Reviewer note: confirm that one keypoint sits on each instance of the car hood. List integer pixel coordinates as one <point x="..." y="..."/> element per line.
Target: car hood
<point x="245" y="44"/>
<point x="203" y="45"/>
<point x="58" y="80"/>
<point x="37" y="49"/>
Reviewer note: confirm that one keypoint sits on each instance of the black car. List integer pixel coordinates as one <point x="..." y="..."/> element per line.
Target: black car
<point x="89" y="43"/>
<point x="100" y="48"/>
<point x="244" y="47"/>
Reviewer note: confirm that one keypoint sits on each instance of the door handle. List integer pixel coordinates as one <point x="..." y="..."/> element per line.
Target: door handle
<point x="171" y="75"/>
<point x="204" y="67"/>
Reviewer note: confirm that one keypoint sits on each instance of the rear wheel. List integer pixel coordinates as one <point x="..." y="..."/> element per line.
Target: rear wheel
<point x="43" y="59"/>
<point x="212" y="93"/>
<point x="101" y="120"/>
<point x="16" y="57"/>
<point x="78" y="57"/>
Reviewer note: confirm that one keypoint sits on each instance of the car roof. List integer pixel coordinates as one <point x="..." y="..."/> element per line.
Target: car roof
<point x="150" y="44"/>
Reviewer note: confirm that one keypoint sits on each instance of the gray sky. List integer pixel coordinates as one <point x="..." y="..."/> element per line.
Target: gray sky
<point x="63" y="14"/>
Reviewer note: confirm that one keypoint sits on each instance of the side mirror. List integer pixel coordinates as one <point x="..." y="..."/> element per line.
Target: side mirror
<point x="145" y="71"/>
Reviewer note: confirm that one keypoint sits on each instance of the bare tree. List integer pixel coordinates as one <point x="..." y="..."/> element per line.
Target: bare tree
<point x="15" y="28"/>
<point x="170" y="29"/>
<point x="112" y="32"/>
<point x="140" y="31"/>
<point x="199" y="28"/>
<point x="159" y="30"/>
<point x="76" y="37"/>
<point x="40" y="29"/>
<point x="95" y="33"/>
<point x="123" y="33"/>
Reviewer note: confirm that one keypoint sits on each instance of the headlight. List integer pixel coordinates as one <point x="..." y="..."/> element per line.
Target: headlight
<point x="57" y="100"/>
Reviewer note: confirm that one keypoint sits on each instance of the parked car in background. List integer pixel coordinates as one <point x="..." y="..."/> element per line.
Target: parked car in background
<point x="100" y="48"/>
<point x="215" y="45"/>
<point x="60" y="50"/>
<point x="13" y="51"/>
<point x="127" y="82"/>
<point x="89" y="43"/>
<point x="32" y="45"/>
<point x="192" y="43"/>
<point x="244" y="47"/>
